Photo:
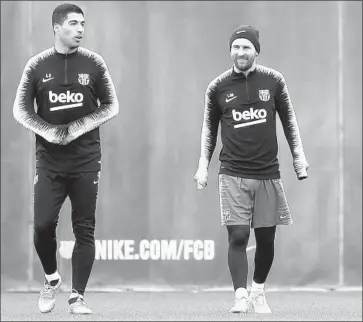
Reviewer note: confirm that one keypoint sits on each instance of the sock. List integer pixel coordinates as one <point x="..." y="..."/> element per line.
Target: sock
<point x="75" y="294"/>
<point x="73" y="297"/>
<point x="241" y="292"/>
<point x="257" y="286"/>
<point x="53" y="278"/>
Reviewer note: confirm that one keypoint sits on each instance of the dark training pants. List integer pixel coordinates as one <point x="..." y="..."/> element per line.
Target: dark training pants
<point x="50" y="191"/>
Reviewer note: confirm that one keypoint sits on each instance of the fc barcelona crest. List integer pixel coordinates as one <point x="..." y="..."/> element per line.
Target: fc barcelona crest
<point x="264" y="94"/>
<point x="83" y="79"/>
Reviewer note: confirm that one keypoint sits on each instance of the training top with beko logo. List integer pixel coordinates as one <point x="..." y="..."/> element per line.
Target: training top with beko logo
<point x="246" y="109"/>
<point x="66" y="88"/>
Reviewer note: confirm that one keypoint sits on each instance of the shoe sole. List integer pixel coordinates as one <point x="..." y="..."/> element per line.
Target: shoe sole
<point x="232" y="311"/>
<point x="79" y="313"/>
<point x="83" y="313"/>
<point x="256" y="310"/>
<point x="240" y="311"/>
<point x="46" y="311"/>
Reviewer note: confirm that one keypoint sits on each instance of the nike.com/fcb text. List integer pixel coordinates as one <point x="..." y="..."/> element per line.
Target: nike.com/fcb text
<point x="183" y="249"/>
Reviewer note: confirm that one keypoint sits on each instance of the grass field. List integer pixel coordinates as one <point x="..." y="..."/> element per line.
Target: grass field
<point x="188" y="306"/>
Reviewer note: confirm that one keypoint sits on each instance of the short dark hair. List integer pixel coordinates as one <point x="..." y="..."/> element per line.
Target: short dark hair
<point x="61" y="12"/>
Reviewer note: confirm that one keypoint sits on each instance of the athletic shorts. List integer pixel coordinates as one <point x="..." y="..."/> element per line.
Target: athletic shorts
<point x="253" y="202"/>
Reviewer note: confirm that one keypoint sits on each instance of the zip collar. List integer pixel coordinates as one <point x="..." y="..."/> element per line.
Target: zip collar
<point x="242" y="75"/>
<point x="65" y="55"/>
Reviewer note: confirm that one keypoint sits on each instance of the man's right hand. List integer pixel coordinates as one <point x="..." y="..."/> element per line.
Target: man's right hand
<point x="301" y="168"/>
<point x="201" y="176"/>
<point x="59" y="134"/>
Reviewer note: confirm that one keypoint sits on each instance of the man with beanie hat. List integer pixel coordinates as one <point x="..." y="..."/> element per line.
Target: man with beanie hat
<point x="245" y="99"/>
<point x="247" y="32"/>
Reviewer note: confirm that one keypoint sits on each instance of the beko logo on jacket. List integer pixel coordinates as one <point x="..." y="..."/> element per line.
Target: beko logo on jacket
<point x="252" y="116"/>
<point x="67" y="100"/>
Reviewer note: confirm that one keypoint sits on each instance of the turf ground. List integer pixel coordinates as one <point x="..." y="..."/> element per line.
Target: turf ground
<point x="184" y="306"/>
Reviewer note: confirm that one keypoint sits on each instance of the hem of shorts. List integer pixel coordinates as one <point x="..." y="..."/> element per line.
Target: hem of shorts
<point x="67" y="171"/>
<point x="237" y="223"/>
<point x="249" y="175"/>
<point x="277" y="224"/>
<point x="234" y="224"/>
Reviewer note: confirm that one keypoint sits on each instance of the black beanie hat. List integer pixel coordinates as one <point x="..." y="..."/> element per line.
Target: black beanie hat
<point x="247" y="32"/>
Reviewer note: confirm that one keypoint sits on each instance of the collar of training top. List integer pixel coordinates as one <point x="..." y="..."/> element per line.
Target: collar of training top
<point x="242" y="75"/>
<point x="61" y="54"/>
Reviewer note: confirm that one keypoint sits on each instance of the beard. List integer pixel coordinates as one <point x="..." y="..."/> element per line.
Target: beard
<point x="74" y="44"/>
<point x="70" y="43"/>
<point x="71" y="47"/>
<point x="244" y="63"/>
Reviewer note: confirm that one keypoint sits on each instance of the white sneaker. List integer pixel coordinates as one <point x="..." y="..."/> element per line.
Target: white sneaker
<point x="77" y="305"/>
<point x="241" y="303"/>
<point x="258" y="300"/>
<point x="47" y="296"/>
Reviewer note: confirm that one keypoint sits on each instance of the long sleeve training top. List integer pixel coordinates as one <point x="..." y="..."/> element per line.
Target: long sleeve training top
<point x="246" y="108"/>
<point x="69" y="89"/>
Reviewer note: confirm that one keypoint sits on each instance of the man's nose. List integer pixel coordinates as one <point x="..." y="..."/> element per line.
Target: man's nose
<point x="240" y="52"/>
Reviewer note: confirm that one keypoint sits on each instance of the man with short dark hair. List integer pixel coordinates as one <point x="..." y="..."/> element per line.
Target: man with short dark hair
<point x="245" y="99"/>
<point x="75" y="95"/>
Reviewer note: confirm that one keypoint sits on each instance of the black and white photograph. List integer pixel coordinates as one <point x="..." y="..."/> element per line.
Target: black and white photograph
<point x="181" y="160"/>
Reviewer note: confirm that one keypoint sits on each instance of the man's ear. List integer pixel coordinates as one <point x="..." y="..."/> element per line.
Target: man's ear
<point x="56" y="28"/>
